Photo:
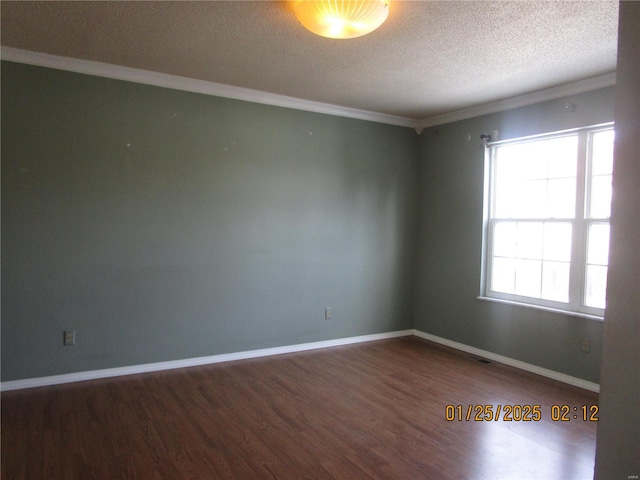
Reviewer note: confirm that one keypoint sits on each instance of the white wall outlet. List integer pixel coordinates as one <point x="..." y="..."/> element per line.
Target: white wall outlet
<point x="327" y="313"/>
<point x="69" y="337"/>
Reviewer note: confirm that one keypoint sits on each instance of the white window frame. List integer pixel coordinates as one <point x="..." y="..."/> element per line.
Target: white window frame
<point x="580" y="224"/>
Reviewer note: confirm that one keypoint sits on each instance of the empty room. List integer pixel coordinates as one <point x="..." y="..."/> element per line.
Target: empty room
<point x="320" y="239"/>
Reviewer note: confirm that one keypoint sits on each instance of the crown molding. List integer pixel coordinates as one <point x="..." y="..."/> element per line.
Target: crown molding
<point x="176" y="82"/>
<point x="553" y="93"/>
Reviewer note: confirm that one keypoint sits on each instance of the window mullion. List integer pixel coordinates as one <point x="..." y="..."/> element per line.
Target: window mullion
<point x="578" y="245"/>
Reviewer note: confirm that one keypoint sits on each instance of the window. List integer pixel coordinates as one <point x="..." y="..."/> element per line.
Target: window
<point x="548" y="201"/>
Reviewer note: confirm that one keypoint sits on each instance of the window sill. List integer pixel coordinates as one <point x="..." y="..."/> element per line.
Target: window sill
<point x="540" y="307"/>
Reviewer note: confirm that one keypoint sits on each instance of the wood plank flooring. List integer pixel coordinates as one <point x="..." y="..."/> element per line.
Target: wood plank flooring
<point x="372" y="410"/>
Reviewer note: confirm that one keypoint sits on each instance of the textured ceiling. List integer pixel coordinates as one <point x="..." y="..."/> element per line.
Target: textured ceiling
<point x="429" y="58"/>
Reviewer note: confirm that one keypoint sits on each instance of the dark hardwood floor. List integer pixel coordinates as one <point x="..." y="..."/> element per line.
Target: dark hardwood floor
<point x="372" y="410"/>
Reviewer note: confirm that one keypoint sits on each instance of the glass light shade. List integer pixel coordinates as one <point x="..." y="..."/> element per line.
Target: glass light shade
<point x="341" y="18"/>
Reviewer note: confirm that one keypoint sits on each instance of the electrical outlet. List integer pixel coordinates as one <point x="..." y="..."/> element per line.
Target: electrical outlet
<point x="69" y="337"/>
<point x="327" y="313"/>
<point x="586" y="346"/>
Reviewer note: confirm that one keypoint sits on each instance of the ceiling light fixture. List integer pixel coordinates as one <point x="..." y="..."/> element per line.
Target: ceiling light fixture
<point x="341" y="18"/>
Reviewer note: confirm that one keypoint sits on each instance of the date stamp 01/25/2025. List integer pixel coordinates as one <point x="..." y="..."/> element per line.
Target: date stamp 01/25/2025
<point x="523" y="413"/>
<point x="520" y="413"/>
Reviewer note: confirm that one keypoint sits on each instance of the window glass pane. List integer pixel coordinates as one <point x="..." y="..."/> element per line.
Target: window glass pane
<point x="555" y="281"/>
<point x="602" y="153"/>
<point x="557" y="242"/>
<point x="601" y="169"/>
<point x="506" y="199"/>
<point x="596" y="288"/>
<point x="532" y="162"/>
<point x="506" y="163"/>
<point x="600" y="199"/>
<point x="504" y="239"/>
<point x="528" y="278"/>
<point x="561" y="198"/>
<point x="536" y="179"/>
<point x="598" y="244"/>
<point x="503" y="275"/>
<point x="521" y="161"/>
<point x="562" y="154"/>
<point x="529" y="240"/>
<point x="530" y="200"/>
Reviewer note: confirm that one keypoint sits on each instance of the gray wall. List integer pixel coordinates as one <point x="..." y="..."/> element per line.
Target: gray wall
<point x="450" y="235"/>
<point x="618" y="446"/>
<point x="164" y="225"/>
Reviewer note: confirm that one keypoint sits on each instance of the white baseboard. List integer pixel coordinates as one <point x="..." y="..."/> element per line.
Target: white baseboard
<point x="561" y="377"/>
<point x="191" y="362"/>
<point x="265" y="352"/>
